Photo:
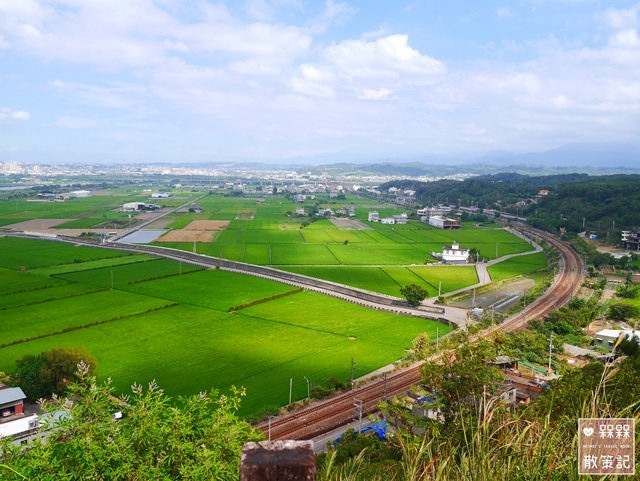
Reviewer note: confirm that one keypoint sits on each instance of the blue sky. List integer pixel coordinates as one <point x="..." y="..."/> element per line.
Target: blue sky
<point x="279" y="80"/>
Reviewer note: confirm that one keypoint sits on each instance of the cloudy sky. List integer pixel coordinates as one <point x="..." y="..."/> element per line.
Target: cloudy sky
<point x="275" y="80"/>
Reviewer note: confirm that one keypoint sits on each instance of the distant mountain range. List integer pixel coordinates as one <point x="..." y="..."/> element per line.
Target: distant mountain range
<point x="596" y="158"/>
<point x="591" y="158"/>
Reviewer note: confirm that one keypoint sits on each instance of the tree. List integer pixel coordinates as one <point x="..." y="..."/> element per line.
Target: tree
<point x="51" y="372"/>
<point x="27" y="376"/>
<point x="414" y="294"/>
<point x="623" y="312"/>
<point x="153" y="439"/>
<point x="463" y="377"/>
<point x="420" y="346"/>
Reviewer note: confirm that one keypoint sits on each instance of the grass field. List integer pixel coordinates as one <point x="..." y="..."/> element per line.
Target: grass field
<point x="177" y="329"/>
<point x="389" y="280"/>
<point x="517" y="266"/>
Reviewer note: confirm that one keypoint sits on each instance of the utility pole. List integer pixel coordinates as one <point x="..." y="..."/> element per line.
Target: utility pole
<point x="439" y="288"/>
<point x="358" y="406"/>
<point x="384" y="376"/>
<point x="352" y="366"/>
<point x="549" y="371"/>
<point x="308" y="389"/>
<point x="290" y="389"/>
<point x="270" y="418"/>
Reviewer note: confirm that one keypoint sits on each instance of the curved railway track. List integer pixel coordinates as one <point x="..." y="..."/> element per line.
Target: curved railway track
<point x="323" y="416"/>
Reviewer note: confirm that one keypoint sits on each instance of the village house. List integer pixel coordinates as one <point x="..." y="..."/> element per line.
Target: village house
<point x="444" y="223"/>
<point x="453" y="254"/>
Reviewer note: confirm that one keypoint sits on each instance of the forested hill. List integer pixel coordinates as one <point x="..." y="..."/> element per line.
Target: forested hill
<point x="606" y="204"/>
<point x="484" y="191"/>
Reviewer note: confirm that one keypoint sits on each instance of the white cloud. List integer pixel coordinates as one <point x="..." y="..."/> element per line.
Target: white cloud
<point x="77" y="122"/>
<point x="504" y="12"/>
<point x="627" y="39"/>
<point x="388" y="57"/>
<point x="4" y="43"/>
<point x="112" y="97"/>
<point x="333" y="13"/>
<point x="622" y="18"/>
<point x="364" y="69"/>
<point x="375" y="94"/>
<point x="8" y="114"/>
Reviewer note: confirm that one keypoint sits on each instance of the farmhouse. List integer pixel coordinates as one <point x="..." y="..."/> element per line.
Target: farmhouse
<point x="77" y="194"/>
<point x="608" y="338"/>
<point x="138" y="206"/>
<point x="160" y="195"/>
<point x="631" y="239"/>
<point x="400" y="218"/>
<point x="426" y="212"/>
<point x="454" y="254"/>
<point x="132" y="206"/>
<point x="387" y="220"/>
<point x="444" y="223"/>
<point x="11" y="402"/>
<point x="373" y="216"/>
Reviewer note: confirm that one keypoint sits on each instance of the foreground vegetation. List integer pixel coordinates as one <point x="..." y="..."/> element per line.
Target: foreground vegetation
<point x="151" y="440"/>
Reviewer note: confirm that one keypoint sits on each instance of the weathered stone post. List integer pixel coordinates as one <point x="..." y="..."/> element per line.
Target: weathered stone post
<point x="278" y="461"/>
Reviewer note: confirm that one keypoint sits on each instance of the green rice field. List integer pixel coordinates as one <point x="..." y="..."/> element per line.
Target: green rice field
<point x="517" y="266"/>
<point x="269" y="233"/>
<point x="154" y="319"/>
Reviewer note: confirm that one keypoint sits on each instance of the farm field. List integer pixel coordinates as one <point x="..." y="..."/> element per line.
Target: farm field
<point x="268" y="232"/>
<point x="389" y="280"/>
<point x="173" y="324"/>
<point x="517" y="266"/>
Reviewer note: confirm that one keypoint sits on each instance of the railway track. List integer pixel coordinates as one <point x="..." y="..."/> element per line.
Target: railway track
<point x="323" y="416"/>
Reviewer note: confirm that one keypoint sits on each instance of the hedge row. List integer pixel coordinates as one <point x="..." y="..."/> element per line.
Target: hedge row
<point x="265" y="299"/>
<point x="50" y="299"/>
<point x="20" y="291"/>
<point x="84" y="326"/>
<point x="164" y="276"/>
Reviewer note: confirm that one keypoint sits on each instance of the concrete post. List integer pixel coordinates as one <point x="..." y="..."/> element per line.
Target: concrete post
<point x="278" y="461"/>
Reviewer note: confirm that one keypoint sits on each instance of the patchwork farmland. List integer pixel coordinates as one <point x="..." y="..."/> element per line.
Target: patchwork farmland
<point x="148" y="319"/>
<point x="192" y="329"/>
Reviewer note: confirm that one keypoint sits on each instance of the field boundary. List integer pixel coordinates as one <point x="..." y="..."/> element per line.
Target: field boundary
<point x="84" y="326"/>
